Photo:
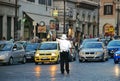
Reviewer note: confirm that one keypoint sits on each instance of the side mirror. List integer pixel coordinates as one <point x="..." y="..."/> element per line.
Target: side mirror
<point x="14" y="49"/>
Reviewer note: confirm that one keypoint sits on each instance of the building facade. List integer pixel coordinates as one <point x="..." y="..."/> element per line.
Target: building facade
<point x="81" y="17"/>
<point x="7" y="18"/>
<point x="34" y="11"/>
<point x="88" y="17"/>
<point x="108" y="17"/>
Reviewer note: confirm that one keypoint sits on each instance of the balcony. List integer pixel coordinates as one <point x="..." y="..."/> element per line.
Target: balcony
<point x="7" y="3"/>
<point x="87" y="4"/>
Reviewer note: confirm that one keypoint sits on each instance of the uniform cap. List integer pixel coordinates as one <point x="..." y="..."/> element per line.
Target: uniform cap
<point x="63" y="36"/>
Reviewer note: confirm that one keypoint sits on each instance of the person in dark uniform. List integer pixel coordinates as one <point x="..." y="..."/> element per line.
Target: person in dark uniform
<point x="65" y="49"/>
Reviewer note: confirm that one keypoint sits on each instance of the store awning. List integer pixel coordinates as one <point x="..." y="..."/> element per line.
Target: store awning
<point x="38" y="18"/>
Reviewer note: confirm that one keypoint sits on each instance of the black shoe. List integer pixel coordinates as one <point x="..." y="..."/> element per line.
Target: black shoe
<point x="62" y="72"/>
<point x="67" y="72"/>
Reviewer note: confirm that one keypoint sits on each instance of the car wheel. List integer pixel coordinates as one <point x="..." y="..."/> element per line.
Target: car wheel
<point x="24" y="60"/>
<point x="103" y="58"/>
<point x="58" y="61"/>
<point x="80" y="60"/>
<point x="36" y="63"/>
<point x="116" y="62"/>
<point x="74" y="59"/>
<point x="107" y="59"/>
<point x="10" y="61"/>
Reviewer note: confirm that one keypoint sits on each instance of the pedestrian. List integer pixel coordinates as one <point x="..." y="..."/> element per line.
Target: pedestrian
<point x="65" y="49"/>
<point x="90" y="36"/>
<point x="99" y="39"/>
<point x="3" y="39"/>
<point x="76" y="44"/>
<point x="11" y="39"/>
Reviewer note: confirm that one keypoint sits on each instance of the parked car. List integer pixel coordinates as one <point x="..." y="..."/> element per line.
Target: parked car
<point x="93" y="51"/>
<point x="116" y="37"/>
<point x="30" y="50"/>
<point x="11" y="53"/>
<point x="116" y="57"/>
<point x="48" y="51"/>
<point x="24" y="43"/>
<point x="112" y="47"/>
<point x="105" y="41"/>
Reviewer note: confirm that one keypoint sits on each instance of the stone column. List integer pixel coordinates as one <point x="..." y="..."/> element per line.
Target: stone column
<point x="22" y="29"/>
<point x="12" y="27"/>
<point x="5" y="26"/>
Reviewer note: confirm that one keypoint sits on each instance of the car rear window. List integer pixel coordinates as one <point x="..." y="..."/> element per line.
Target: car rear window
<point x="48" y="46"/>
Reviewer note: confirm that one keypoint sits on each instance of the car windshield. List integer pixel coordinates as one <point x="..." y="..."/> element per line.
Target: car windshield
<point x="5" y="47"/>
<point x="31" y="47"/>
<point x="92" y="45"/>
<point x="114" y="43"/>
<point x="89" y="40"/>
<point x="48" y="46"/>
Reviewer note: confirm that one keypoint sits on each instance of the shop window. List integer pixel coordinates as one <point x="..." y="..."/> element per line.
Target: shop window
<point x="49" y="2"/>
<point x="45" y="2"/>
<point x="94" y="18"/>
<point x="1" y="26"/>
<point x="89" y="18"/>
<point x="8" y="27"/>
<point x="42" y="2"/>
<point x="83" y="17"/>
<point x="108" y="9"/>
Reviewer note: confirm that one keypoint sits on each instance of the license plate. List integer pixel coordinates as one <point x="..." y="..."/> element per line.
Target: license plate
<point x="44" y="58"/>
<point x="28" y="57"/>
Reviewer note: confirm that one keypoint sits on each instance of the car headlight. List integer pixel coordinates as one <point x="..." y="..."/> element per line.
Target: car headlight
<point x="81" y="53"/>
<point x="36" y="54"/>
<point x="99" y="52"/>
<point x="53" y="54"/>
<point x="116" y="54"/>
<point x="5" y="55"/>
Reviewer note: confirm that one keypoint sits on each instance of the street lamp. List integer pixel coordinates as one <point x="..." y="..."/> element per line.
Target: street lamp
<point x="117" y="28"/>
<point x="16" y="22"/>
<point x="64" y="18"/>
<point x="98" y="17"/>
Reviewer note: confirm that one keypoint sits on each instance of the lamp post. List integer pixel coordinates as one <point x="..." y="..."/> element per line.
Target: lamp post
<point x="98" y="17"/>
<point x="16" y="22"/>
<point x="117" y="29"/>
<point x="46" y="2"/>
<point x="64" y="19"/>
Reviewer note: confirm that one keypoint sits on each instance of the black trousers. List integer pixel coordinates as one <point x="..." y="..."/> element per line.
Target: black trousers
<point x="64" y="61"/>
